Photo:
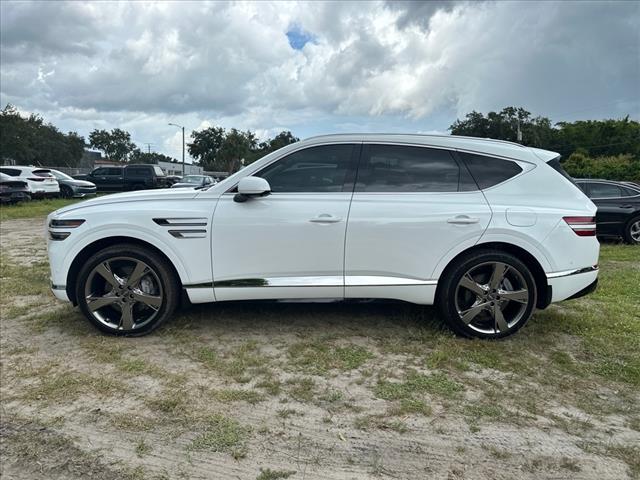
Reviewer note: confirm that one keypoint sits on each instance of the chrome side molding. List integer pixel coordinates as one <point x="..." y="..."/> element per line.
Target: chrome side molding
<point x="576" y="271"/>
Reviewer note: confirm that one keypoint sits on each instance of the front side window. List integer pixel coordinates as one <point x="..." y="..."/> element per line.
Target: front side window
<point x="489" y="171"/>
<point x="99" y="171"/>
<point x="323" y="168"/>
<point x="394" y="168"/>
<point x="604" y="190"/>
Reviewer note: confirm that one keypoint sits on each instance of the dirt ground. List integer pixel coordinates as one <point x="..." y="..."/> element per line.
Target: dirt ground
<point x="301" y="391"/>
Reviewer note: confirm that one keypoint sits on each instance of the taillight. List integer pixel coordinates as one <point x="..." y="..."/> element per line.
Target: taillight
<point x="582" y="226"/>
<point x="36" y="179"/>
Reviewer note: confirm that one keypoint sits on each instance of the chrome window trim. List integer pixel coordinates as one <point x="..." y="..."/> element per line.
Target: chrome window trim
<point x="575" y="271"/>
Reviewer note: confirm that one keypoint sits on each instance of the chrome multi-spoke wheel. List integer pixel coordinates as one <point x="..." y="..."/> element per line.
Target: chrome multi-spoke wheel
<point x="491" y="297"/>
<point x="633" y="231"/>
<point x="487" y="294"/>
<point x="127" y="293"/>
<point x="123" y="293"/>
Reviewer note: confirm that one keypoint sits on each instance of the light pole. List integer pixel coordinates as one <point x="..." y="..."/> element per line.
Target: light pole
<point x="180" y="126"/>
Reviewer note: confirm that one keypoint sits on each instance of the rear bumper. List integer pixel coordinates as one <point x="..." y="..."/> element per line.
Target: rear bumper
<point x="572" y="283"/>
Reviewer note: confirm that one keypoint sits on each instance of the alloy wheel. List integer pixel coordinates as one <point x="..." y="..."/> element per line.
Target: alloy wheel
<point x="634" y="231"/>
<point x="123" y="293"/>
<point x="492" y="297"/>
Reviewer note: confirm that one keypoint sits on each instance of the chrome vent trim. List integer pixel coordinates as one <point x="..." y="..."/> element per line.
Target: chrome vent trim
<point x="181" y="222"/>
<point x="188" y="233"/>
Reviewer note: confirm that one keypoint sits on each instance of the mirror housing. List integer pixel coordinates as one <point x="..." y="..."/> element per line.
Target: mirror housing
<point x="249" y="187"/>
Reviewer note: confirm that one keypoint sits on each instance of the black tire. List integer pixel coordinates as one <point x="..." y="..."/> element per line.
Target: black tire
<point x="455" y="300"/>
<point x="65" y="191"/>
<point x="162" y="283"/>
<point x="630" y="231"/>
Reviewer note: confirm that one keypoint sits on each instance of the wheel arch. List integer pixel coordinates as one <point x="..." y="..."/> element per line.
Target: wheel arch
<point x="96" y="246"/>
<point x="544" y="290"/>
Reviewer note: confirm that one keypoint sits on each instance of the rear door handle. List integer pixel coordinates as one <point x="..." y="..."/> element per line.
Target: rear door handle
<point x="325" y="218"/>
<point x="463" y="220"/>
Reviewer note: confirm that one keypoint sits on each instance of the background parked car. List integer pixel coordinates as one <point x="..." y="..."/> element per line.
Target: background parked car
<point x="173" y="179"/>
<point x="129" y="177"/>
<point x="618" y="207"/>
<point x="71" y="187"/>
<point x="13" y="191"/>
<point x="40" y="181"/>
<point x="194" y="181"/>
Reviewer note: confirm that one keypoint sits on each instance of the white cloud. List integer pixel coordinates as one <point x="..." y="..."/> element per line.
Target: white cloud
<point x="387" y="66"/>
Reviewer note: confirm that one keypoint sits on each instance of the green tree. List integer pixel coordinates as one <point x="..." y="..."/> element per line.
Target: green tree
<point x="138" y="156"/>
<point x="205" y="146"/>
<point x="116" y="144"/>
<point x="31" y="141"/>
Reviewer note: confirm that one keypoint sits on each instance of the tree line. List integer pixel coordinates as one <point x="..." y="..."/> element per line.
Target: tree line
<point x="589" y="148"/>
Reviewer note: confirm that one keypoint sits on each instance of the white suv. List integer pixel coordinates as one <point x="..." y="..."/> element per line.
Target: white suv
<point x="487" y="230"/>
<point x="40" y="181"/>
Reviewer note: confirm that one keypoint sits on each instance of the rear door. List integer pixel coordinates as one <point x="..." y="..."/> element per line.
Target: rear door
<point x="411" y="205"/>
<point x="616" y="204"/>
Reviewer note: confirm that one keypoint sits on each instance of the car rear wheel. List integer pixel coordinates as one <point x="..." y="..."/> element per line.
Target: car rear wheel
<point x="127" y="290"/>
<point x="632" y="231"/>
<point x="487" y="294"/>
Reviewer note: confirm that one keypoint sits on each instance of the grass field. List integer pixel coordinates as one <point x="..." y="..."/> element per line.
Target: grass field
<point x="34" y="208"/>
<point x="327" y="391"/>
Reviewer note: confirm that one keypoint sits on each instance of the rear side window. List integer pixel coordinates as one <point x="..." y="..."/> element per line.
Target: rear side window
<point x="136" y="171"/>
<point x="489" y="171"/>
<point x="11" y="171"/>
<point x="323" y="168"/>
<point x="159" y="171"/>
<point x="113" y="171"/>
<point x="629" y="192"/>
<point x="395" y="168"/>
<point x="42" y="173"/>
<point x="604" y="190"/>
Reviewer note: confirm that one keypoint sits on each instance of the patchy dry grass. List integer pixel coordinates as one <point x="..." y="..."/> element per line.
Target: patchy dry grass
<point x="323" y="390"/>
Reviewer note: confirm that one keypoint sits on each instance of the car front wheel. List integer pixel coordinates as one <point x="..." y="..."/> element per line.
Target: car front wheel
<point x="487" y="294"/>
<point x="127" y="290"/>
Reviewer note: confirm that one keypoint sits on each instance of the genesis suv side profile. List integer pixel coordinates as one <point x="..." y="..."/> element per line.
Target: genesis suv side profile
<point x="486" y="230"/>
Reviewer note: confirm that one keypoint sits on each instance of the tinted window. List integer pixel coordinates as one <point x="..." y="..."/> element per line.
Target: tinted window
<point x="113" y="171"/>
<point x="393" y="168"/>
<point x="136" y="171"/>
<point x="629" y="192"/>
<point x="604" y="190"/>
<point x="489" y="171"/>
<point x="582" y="186"/>
<point x="11" y="171"/>
<point x="315" y="169"/>
<point x="99" y="171"/>
<point x="42" y="173"/>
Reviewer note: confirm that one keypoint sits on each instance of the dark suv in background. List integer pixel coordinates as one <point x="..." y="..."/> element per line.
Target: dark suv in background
<point x="128" y="177"/>
<point x="618" y="207"/>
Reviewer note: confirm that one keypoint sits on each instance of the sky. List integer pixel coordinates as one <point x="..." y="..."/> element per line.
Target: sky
<point x="314" y="67"/>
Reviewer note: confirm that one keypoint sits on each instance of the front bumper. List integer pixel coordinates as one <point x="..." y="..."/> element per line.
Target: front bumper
<point x="81" y="192"/>
<point x="60" y="292"/>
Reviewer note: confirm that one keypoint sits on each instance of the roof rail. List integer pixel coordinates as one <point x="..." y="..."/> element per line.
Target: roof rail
<point x="416" y="135"/>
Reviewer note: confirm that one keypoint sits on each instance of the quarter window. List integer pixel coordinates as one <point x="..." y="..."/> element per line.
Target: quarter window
<point x="323" y="168"/>
<point x="394" y="168"/>
<point x="489" y="171"/>
<point x="14" y="172"/>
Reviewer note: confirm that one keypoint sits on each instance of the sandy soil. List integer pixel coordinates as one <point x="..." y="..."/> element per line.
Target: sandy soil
<point x="138" y="405"/>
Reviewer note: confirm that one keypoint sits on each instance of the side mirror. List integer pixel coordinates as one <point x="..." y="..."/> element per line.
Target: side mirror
<point x="249" y="187"/>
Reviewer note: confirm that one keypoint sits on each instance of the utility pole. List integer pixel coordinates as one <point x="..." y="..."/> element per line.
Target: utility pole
<point x="148" y="147"/>
<point x="180" y="126"/>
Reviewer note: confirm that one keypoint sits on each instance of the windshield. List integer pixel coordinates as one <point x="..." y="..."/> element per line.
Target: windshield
<point x="60" y="175"/>
<point x="159" y="171"/>
<point x="192" y="179"/>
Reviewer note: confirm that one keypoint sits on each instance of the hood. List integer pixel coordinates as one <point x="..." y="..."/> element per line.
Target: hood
<point x="81" y="183"/>
<point x="127" y="197"/>
<point x="184" y="185"/>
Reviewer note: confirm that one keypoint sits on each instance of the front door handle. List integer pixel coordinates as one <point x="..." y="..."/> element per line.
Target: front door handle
<point x="463" y="220"/>
<point x="325" y="218"/>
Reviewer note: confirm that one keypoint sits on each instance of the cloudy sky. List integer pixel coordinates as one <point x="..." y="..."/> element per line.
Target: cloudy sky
<point x="313" y="67"/>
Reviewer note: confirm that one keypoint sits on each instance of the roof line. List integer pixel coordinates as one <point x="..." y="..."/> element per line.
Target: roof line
<point x="416" y="135"/>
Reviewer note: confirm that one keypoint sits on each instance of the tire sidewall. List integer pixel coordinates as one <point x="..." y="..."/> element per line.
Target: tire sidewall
<point x="159" y="265"/>
<point x="446" y="295"/>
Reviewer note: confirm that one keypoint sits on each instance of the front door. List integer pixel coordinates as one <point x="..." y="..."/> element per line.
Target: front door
<point x="410" y="207"/>
<point x="289" y="244"/>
